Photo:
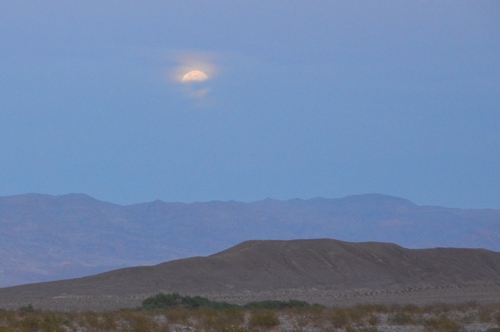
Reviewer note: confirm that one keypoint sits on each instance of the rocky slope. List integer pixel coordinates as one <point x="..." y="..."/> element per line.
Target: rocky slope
<point x="325" y="271"/>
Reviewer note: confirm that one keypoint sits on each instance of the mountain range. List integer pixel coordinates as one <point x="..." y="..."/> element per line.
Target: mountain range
<point x="46" y="237"/>
<point x="324" y="271"/>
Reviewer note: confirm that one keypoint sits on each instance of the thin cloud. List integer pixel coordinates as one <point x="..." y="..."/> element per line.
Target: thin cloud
<point x="194" y="61"/>
<point x="194" y="71"/>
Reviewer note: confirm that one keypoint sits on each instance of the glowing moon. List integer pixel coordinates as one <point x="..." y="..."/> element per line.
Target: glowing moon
<point x="194" y="76"/>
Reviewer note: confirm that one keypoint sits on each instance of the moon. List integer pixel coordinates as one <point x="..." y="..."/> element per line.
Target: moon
<point x="194" y="76"/>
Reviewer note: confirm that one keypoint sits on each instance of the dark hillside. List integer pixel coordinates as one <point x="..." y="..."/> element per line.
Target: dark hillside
<point x="313" y="270"/>
<point x="57" y="237"/>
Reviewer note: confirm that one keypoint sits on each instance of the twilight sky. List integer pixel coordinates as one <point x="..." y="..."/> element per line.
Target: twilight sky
<point x="300" y="99"/>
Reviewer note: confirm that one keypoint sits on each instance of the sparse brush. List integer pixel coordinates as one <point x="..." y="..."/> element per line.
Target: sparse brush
<point x="440" y="308"/>
<point x="233" y="316"/>
<point x="141" y="323"/>
<point x="177" y="316"/>
<point x="360" y="318"/>
<point x="264" y="318"/>
<point x="401" y="318"/>
<point x="368" y="329"/>
<point x="411" y="309"/>
<point x="441" y="324"/>
<point x="339" y="318"/>
<point x="356" y="314"/>
<point x="485" y="314"/>
<point x="373" y="320"/>
<point x="29" y="323"/>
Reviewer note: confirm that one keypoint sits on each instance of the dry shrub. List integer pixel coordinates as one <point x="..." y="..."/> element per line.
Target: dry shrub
<point x="402" y="318"/>
<point x="177" y="316"/>
<point x="50" y="322"/>
<point x="411" y="309"/>
<point x="36" y="321"/>
<point x="29" y="324"/>
<point x="210" y="320"/>
<point x="467" y="306"/>
<point x="350" y="329"/>
<point x="7" y="317"/>
<point x="468" y="317"/>
<point x="233" y="317"/>
<point x="485" y="314"/>
<point x="356" y="314"/>
<point x="90" y="320"/>
<point x="441" y="324"/>
<point x="373" y="320"/>
<point x="63" y="319"/>
<point x="438" y="308"/>
<point x="312" y="316"/>
<point x="365" y="312"/>
<point x="102" y="321"/>
<point x="368" y="329"/>
<point x="141" y="323"/>
<point x="339" y="318"/>
<point x="264" y="318"/>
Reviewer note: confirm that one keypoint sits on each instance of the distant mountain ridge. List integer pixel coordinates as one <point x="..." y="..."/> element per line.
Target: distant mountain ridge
<point x="48" y="237"/>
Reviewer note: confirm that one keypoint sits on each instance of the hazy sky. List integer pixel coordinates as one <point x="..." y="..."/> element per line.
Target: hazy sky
<point x="301" y="99"/>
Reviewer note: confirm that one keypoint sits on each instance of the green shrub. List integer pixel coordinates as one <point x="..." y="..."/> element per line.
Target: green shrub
<point x="162" y="302"/>
<point x="28" y="308"/>
<point x="168" y="301"/>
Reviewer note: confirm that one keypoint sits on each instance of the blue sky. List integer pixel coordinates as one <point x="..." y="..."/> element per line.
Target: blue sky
<point x="303" y="99"/>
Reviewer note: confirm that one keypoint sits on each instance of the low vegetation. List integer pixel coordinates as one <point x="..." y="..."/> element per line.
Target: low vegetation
<point x="176" y="313"/>
<point x="174" y="300"/>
